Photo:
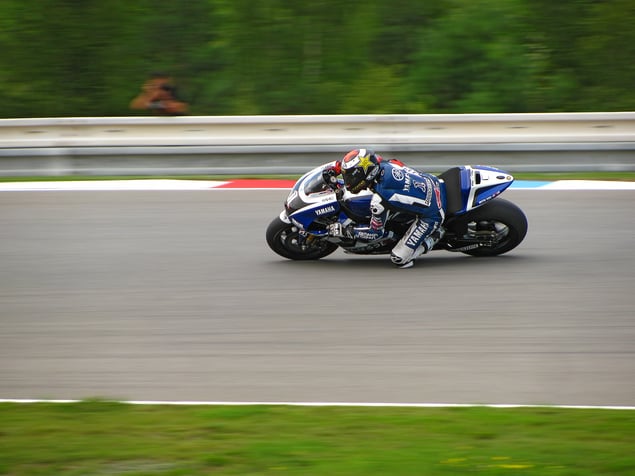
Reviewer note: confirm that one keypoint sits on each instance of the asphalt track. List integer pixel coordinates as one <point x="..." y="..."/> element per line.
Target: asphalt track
<point x="175" y="295"/>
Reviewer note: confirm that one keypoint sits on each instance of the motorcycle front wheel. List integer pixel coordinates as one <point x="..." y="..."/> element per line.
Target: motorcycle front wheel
<point x="284" y="239"/>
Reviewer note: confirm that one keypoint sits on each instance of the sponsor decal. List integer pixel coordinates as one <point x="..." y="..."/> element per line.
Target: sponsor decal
<point x="425" y="186"/>
<point x="355" y="158"/>
<point x="367" y="235"/>
<point x="411" y="171"/>
<point x="323" y="211"/>
<point x="466" y="248"/>
<point x="417" y="235"/>
<point x="365" y="163"/>
<point x="483" y="200"/>
<point x="437" y="194"/>
<point x="398" y="174"/>
<point x="428" y="191"/>
<point x="406" y="185"/>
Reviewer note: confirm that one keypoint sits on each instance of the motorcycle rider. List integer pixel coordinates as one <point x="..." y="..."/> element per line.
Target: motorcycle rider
<point x="396" y="188"/>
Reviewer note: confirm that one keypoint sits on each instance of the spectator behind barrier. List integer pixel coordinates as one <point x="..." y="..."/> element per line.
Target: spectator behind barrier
<point x="158" y="94"/>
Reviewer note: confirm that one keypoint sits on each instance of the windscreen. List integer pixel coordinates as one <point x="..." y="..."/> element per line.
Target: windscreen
<point x="315" y="184"/>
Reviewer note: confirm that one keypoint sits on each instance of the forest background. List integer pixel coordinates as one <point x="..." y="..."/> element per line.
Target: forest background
<point x="235" y="57"/>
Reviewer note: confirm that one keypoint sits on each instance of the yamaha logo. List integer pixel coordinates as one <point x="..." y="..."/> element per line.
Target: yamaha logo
<point x="323" y="211"/>
<point x="397" y="174"/>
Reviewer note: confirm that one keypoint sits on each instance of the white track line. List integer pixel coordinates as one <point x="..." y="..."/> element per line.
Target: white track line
<point x="588" y="185"/>
<point x="110" y="185"/>
<point x="337" y="404"/>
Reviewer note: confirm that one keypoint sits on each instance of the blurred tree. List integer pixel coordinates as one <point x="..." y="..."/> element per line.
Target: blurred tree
<point x="89" y="57"/>
<point x="56" y="55"/>
<point x="607" y="57"/>
<point x="475" y="59"/>
<point x="264" y="51"/>
<point x="379" y="83"/>
<point x="588" y="53"/>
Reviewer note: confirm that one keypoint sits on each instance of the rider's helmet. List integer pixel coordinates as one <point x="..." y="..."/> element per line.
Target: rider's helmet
<point x="359" y="169"/>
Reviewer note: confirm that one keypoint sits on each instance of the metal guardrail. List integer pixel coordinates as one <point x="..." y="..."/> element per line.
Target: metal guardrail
<point x="292" y="144"/>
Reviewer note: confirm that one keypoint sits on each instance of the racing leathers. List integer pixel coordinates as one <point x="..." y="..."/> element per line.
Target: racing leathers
<point x="401" y="189"/>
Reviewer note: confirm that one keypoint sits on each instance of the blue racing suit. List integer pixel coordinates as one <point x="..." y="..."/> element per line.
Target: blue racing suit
<point x="400" y="188"/>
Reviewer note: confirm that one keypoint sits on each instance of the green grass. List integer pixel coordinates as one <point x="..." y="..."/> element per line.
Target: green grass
<point x="547" y="176"/>
<point x="107" y="438"/>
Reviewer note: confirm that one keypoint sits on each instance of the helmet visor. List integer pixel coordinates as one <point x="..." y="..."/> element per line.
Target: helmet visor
<point x="355" y="179"/>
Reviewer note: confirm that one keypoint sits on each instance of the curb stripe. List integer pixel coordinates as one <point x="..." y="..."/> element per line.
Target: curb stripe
<point x="263" y="184"/>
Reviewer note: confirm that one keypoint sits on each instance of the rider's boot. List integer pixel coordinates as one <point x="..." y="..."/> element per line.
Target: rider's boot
<point x="404" y="257"/>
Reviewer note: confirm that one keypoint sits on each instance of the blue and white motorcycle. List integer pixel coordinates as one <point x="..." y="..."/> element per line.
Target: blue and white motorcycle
<point x="477" y="221"/>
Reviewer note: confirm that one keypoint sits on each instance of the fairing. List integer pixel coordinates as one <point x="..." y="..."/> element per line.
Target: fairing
<point x="480" y="183"/>
<point x="311" y="199"/>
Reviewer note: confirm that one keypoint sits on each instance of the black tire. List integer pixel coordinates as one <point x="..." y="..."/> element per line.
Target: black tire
<point x="283" y="239"/>
<point x="500" y="216"/>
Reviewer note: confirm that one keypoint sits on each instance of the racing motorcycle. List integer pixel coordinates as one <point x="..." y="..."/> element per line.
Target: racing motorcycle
<point x="477" y="221"/>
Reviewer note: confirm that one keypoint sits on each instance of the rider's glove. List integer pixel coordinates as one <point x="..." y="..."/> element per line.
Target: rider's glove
<point x="330" y="177"/>
<point x="339" y="231"/>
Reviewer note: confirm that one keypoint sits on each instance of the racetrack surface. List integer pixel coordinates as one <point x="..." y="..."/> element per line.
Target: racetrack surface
<point x="174" y="295"/>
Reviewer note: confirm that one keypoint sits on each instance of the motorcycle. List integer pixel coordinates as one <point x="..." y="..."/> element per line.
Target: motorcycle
<point x="477" y="221"/>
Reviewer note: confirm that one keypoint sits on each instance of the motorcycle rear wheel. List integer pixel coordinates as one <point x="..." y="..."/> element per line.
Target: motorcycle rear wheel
<point x="284" y="239"/>
<point x="499" y="221"/>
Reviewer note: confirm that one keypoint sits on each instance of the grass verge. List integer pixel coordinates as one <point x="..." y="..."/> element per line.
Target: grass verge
<point x="108" y="438"/>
